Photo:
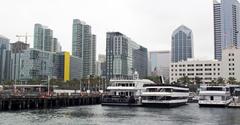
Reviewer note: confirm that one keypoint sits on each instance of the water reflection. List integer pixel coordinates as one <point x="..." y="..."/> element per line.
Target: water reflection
<point x="98" y="115"/>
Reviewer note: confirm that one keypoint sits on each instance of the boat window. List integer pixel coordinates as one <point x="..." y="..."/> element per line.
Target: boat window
<point x="178" y="90"/>
<point x="214" y="89"/>
<point x="212" y="98"/>
<point x="168" y="90"/>
<point x="152" y="90"/>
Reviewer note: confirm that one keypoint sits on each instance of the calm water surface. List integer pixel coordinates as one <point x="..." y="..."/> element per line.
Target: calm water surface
<point x="190" y="114"/>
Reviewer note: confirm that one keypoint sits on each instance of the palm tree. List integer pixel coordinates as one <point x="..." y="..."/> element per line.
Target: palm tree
<point x="213" y="82"/>
<point x="198" y="80"/>
<point x="232" y="80"/>
<point x="184" y="80"/>
<point x="220" y="80"/>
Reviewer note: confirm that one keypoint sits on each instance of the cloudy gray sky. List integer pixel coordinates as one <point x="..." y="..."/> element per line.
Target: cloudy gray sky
<point x="148" y="22"/>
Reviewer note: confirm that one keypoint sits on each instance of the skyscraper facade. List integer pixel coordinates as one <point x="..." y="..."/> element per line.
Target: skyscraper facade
<point x="43" y="38"/>
<point x="124" y="56"/>
<point x="5" y="57"/>
<point x="182" y="44"/>
<point x="36" y="65"/>
<point x="84" y="46"/>
<point x="67" y="67"/>
<point x="159" y="63"/>
<point x="226" y="25"/>
<point x="56" y="47"/>
<point x="17" y="49"/>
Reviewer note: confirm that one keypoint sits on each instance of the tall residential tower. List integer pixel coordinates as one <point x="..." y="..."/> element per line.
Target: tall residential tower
<point x="84" y="46"/>
<point x="182" y="44"/>
<point x="43" y="38"/>
<point x="124" y="56"/>
<point x="226" y="25"/>
<point x="5" y="57"/>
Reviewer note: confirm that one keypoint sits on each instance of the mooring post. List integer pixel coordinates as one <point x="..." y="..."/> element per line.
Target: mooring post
<point x="10" y="105"/>
<point x="0" y="105"/>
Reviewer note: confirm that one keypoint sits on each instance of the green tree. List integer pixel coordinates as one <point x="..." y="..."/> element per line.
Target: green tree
<point x="198" y="80"/>
<point x="184" y="80"/>
<point x="220" y="80"/>
<point x="214" y="82"/>
<point x="232" y="80"/>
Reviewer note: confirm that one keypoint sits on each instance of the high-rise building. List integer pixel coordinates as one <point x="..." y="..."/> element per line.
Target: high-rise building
<point x="17" y="50"/>
<point x="43" y="37"/>
<point x="101" y="66"/>
<point x="226" y="25"/>
<point x="36" y="64"/>
<point x="5" y="58"/>
<point x="124" y="56"/>
<point x="84" y="46"/>
<point x="159" y="63"/>
<point x="18" y="47"/>
<point x="67" y="67"/>
<point x="182" y="44"/>
<point x="101" y="58"/>
<point x="56" y="47"/>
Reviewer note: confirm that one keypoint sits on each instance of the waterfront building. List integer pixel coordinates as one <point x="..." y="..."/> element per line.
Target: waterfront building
<point x="43" y="37"/>
<point x="230" y="66"/>
<point x="67" y="67"/>
<point x="159" y="63"/>
<point x="124" y="56"/>
<point x="36" y="64"/>
<point x="226" y="25"/>
<point x="56" y="47"/>
<point x="207" y="70"/>
<point x="84" y="46"/>
<point x="17" y="49"/>
<point x="182" y="44"/>
<point x="5" y="55"/>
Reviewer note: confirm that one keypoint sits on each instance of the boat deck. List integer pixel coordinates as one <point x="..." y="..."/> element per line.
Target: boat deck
<point x="235" y="104"/>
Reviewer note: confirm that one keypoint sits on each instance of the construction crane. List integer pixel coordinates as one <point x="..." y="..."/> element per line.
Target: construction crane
<point x="25" y="36"/>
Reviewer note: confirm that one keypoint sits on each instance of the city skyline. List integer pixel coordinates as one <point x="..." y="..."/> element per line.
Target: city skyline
<point x="156" y="17"/>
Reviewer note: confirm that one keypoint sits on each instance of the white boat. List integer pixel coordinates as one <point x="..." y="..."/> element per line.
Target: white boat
<point x="125" y="92"/>
<point x="215" y="96"/>
<point x="165" y="95"/>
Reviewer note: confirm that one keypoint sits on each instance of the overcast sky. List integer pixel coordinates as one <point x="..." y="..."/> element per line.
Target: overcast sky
<point x="150" y="23"/>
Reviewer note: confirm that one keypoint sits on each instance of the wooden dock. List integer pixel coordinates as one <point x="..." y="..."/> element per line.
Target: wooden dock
<point x="21" y="103"/>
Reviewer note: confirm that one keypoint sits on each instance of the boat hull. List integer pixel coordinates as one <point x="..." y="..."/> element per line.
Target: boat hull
<point x="164" y="105"/>
<point x="119" y="104"/>
<point x="212" y="105"/>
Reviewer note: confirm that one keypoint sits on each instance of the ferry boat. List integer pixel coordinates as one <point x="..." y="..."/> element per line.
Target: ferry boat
<point x="125" y="92"/>
<point x="215" y="96"/>
<point x="165" y="95"/>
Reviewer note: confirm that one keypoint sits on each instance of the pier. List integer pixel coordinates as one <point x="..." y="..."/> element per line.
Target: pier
<point x="22" y="103"/>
